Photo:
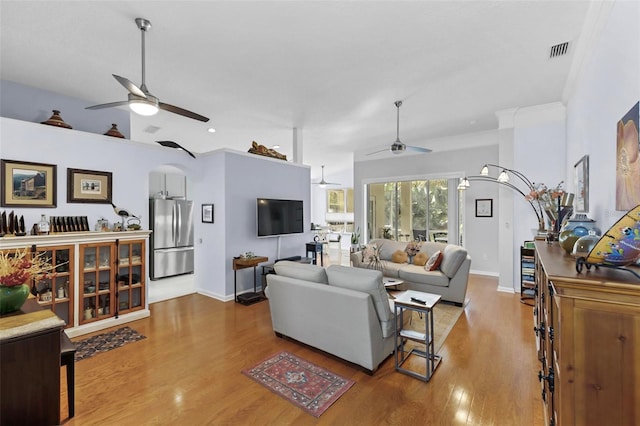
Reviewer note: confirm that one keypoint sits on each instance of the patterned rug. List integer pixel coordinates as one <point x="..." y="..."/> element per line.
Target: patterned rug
<point x="302" y="383"/>
<point x="105" y="342"/>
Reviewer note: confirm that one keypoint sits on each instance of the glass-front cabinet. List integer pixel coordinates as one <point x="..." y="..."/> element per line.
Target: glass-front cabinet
<point x="97" y="283"/>
<point x="130" y="275"/>
<point x="56" y="291"/>
<point x="97" y="279"/>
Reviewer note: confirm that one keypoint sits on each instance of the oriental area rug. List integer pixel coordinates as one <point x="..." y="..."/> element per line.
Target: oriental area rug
<point x="105" y="342"/>
<point x="300" y="382"/>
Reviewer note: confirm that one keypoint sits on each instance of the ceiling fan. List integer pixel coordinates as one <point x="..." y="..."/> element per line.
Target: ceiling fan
<point x="398" y="147"/>
<point x="176" y="145"/>
<point x="324" y="183"/>
<point x="139" y="98"/>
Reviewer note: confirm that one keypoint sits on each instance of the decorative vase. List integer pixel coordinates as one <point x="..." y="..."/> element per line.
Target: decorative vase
<point x="12" y="298"/>
<point x="114" y="132"/>
<point x="57" y="121"/>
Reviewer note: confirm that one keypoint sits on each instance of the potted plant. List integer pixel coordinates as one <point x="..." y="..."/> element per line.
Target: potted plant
<point x="355" y="240"/>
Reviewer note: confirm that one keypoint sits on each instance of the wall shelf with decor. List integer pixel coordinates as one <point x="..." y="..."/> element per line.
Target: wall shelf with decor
<point x="98" y="263"/>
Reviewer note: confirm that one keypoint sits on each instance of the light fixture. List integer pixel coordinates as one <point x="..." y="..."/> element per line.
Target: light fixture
<point x="141" y="106"/>
<point x="503" y="179"/>
<point x="211" y="130"/>
<point x="276" y="146"/>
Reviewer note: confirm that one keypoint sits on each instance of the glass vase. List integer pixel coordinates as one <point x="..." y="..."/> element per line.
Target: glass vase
<point x="12" y="298"/>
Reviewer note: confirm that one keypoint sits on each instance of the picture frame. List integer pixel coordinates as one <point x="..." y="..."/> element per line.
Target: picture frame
<point x="27" y="184"/>
<point x="484" y="207"/>
<point x="89" y="186"/>
<point x="207" y="213"/>
<point x="581" y="182"/>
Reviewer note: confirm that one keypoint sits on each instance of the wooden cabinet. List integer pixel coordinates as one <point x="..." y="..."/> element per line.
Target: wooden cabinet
<point x="57" y="291"/>
<point x="588" y="338"/>
<point x="98" y="273"/>
<point x="130" y="276"/>
<point x="30" y="366"/>
<point x="102" y="276"/>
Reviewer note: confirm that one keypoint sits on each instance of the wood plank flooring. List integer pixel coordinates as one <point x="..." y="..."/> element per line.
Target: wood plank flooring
<point x="187" y="372"/>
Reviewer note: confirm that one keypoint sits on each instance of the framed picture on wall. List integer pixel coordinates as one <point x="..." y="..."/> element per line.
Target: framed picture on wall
<point x="26" y="184"/>
<point x="581" y="177"/>
<point x="484" y="207"/>
<point x="88" y="186"/>
<point x="207" y="213"/>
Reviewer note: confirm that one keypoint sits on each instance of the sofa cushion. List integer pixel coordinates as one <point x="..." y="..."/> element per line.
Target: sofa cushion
<point x="399" y="256"/>
<point x="434" y="261"/>
<point x="417" y="274"/>
<point x="390" y="269"/>
<point x="301" y="271"/>
<point x="430" y="247"/>
<point x="452" y="258"/>
<point x="420" y="259"/>
<point x="388" y="247"/>
<point x="370" y="253"/>
<point x="366" y="281"/>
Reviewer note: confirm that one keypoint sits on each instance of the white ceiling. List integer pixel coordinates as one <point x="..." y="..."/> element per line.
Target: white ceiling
<point x="332" y="69"/>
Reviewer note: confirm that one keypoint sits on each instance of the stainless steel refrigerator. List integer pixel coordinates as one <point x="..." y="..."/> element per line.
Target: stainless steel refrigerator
<point x="172" y="237"/>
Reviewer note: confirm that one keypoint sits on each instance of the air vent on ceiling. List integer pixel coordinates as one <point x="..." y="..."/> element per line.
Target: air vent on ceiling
<point x="559" y="49"/>
<point x="151" y="129"/>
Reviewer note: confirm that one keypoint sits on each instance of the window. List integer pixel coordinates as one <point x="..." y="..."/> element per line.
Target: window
<point x="339" y="214"/>
<point x="412" y="210"/>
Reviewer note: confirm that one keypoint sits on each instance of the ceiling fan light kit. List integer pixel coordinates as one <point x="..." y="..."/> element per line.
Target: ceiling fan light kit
<point x="140" y="100"/>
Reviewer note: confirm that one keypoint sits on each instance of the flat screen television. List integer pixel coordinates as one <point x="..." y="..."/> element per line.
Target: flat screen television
<point x="279" y="217"/>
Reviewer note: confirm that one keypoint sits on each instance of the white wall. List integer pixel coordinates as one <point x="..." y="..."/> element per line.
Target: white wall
<point x="608" y="86"/>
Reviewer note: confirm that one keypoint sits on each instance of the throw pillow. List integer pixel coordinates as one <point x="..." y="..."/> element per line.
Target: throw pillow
<point x="434" y="261"/>
<point x="420" y="259"/>
<point x="399" y="256"/>
<point x="369" y="252"/>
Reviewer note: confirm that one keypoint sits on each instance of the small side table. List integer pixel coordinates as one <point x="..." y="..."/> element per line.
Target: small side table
<point x="243" y="263"/>
<point x="315" y="248"/>
<point x="404" y="303"/>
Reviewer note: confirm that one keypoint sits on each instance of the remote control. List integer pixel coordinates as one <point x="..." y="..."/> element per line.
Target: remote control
<point x="413" y="299"/>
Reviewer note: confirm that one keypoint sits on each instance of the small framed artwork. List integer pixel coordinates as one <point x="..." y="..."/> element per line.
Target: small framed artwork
<point x="26" y="184"/>
<point x="581" y="183"/>
<point x="207" y="213"/>
<point x="88" y="186"/>
<point x="484" y="207"/>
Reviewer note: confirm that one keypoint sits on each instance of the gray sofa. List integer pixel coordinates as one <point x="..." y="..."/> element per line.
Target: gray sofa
<point x="449" y="281"/>
<point x="341" y="310"/>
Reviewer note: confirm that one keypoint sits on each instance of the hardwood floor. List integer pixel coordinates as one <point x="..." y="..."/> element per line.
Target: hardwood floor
<point x="187" y="371"/>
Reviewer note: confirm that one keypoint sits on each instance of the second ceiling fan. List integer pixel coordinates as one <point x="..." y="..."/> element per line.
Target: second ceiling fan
<point x="139" y="98"/>
<point x="398" y="147"/>
<point x="324" y="183"/>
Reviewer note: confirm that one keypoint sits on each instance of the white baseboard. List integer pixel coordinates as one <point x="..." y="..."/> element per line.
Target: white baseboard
<point x="106" y="323"/>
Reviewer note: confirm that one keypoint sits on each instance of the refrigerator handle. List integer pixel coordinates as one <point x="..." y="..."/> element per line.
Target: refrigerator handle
<point x="179" y="224"/>
<point x="173" y="224"/>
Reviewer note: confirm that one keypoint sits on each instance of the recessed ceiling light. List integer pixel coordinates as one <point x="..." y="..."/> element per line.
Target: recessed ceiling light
<point x="211" y="130"/>
<point x="275" y="146"/>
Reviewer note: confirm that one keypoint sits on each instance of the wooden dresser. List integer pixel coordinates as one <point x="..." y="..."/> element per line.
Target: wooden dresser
<point x="588" y="340"/>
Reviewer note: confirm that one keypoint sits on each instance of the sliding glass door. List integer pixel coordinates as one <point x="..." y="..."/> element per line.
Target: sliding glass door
<point x="413" y="210"/>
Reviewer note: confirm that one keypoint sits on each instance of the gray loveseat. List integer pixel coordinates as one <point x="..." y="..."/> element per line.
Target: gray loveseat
<point x="341" y="310"/>
<point x="449" y="281"/>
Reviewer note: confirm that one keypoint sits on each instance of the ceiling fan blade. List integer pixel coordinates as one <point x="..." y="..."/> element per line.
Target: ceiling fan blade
<point x="172" y="144"/>
<point x="109" y="105"/>
<point x="378" y="152"/>
<point x="130" y="86"/>
<point x="181" y="111"/>
<point x="416" y="148"/>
